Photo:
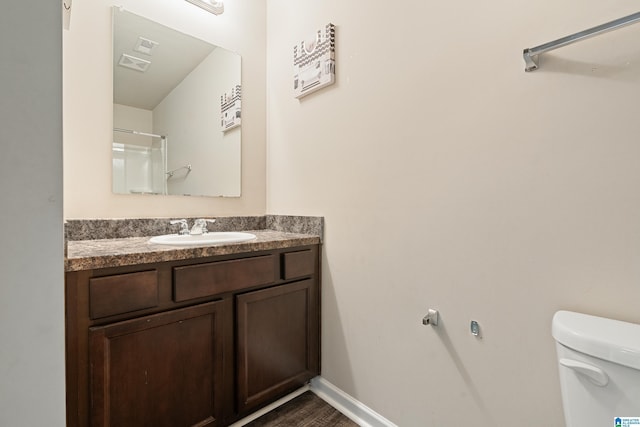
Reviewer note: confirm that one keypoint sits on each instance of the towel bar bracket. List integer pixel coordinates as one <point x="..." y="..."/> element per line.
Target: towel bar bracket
<point x="531" y="55"/>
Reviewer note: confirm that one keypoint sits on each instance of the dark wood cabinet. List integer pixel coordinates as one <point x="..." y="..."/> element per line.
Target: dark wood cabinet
<point x="162" y="370"/>
<point x="196" y="342"/>
<point x="277" y="342"/>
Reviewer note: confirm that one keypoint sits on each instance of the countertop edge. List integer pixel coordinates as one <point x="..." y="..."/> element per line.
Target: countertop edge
<point x="108" y="253"/>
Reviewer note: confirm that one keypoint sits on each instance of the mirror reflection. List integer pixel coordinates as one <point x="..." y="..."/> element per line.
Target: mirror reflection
<point x="176" y="112"/>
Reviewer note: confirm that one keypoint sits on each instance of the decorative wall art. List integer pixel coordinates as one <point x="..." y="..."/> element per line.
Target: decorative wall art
<point x="314" y="62"/>
<point x="230" y="109"/>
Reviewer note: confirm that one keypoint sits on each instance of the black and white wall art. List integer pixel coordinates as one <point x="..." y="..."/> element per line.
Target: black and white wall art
<point x="314" y="62"/>
<point x="230" y="109"/>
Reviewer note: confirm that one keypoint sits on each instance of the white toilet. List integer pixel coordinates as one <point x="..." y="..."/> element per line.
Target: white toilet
<point x="599" y="362"/>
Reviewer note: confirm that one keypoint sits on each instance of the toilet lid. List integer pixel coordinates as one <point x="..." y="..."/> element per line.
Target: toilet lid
<point x="606" y="339"/>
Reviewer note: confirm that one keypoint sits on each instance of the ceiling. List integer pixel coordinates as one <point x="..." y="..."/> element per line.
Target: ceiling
<point x="175" y="56"/>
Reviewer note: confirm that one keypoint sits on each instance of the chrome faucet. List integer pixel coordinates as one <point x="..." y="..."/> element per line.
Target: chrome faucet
<point x="184" y="227"/>
<point x="200" y="226"/>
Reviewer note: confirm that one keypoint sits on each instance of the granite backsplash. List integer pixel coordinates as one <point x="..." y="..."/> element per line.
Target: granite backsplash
<point x="96" y="229"/>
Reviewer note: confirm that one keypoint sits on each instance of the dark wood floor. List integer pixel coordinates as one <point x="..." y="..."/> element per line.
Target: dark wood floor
<point x="306" y="410"/>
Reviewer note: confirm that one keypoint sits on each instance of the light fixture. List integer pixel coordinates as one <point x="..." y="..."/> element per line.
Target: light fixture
<point x="215" y="7"/>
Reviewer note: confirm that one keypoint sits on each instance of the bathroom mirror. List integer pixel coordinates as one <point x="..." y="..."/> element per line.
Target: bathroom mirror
<point x="176" y="112"/>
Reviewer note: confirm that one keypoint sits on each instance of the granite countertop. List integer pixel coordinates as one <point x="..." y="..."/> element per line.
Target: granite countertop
<point x="103" y="253"/>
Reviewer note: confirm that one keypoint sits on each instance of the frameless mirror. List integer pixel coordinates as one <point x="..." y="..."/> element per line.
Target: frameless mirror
<point x="176" y="112"/>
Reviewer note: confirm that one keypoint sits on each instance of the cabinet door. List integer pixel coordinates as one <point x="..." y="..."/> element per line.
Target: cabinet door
<point x="159" y="370"/>
<point x="278" y="349"/>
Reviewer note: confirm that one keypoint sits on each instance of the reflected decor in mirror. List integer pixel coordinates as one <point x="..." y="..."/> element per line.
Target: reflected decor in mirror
<point x="176" y="112"/>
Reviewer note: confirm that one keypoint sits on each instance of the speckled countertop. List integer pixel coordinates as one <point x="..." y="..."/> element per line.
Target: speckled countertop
<point x="90" y="254"/>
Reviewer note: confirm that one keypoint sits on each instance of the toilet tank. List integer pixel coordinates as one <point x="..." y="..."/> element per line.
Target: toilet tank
<point x="599" y="363"/>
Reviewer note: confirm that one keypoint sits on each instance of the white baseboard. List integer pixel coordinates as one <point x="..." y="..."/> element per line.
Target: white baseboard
<point x="355" y="410"/>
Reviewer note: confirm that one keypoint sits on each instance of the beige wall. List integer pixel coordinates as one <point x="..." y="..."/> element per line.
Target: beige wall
<point x="127" y="117"/>
<point x="88" y="107"/>
<point x="450" y="178"/>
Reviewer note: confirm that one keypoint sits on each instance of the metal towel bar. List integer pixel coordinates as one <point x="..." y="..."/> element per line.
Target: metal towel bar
<point x="530" y="55"/>
<point x="172" y="172"/>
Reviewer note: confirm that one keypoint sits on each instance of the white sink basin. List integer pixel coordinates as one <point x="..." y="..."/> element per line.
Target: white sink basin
<point x="211" y="238"/>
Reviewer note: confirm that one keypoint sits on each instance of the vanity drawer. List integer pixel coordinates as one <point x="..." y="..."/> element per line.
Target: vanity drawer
<point x="122" y="293"/>
<point x="197" y="281"/>
<point x="298" y="264"/>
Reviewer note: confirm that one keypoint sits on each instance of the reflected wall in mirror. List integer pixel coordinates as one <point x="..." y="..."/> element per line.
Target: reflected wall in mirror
<point x="168" y="130"/>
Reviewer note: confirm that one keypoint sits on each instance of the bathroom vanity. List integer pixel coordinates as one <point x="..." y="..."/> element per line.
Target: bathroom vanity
<point x="165" y="336"/>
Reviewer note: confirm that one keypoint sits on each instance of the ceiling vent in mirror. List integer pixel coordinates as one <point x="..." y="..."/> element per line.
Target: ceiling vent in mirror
<point x="134" y="63"/>
<point x="215" y="7"/>
<point x="145" y="46"/>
